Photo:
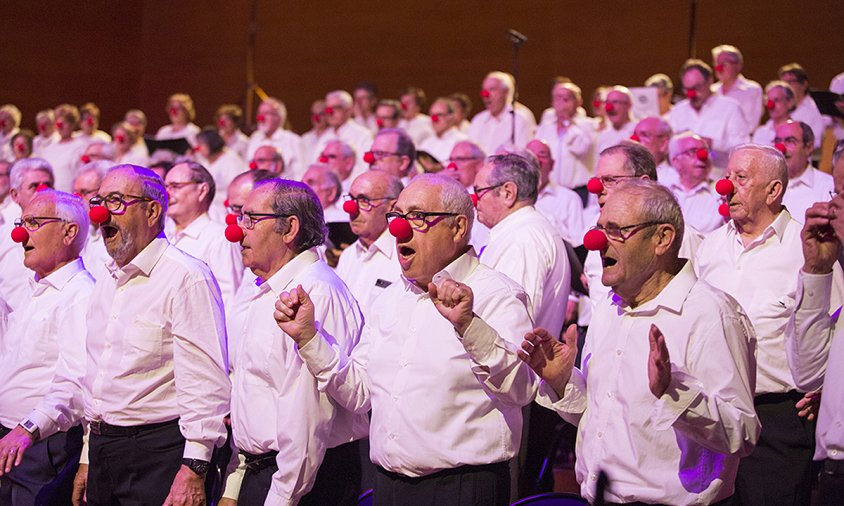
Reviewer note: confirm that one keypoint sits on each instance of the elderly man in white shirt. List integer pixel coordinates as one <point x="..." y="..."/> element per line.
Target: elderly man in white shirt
<point x="43" y="356"/>
<point x="655" y="134"/>
<point x="446" y="134"/>
<point x="190" y="191"/>
<point x="156" y="386"/>
<point x="45" y="121"/>
<point x="569" y="136"/>
<point x="181" y="113"/>
<point x="437" y="363"/>
<point x="464" y="162"/>
<point x="714" y="117"/>
<point x="319" y="128"/>
<point x="269" y="158"/>
<point x="272" y="114"/>
<point x="282" y="423"/>
<point x="393" y="151"/>
<point x="694" y="187"/>
<point x="418" y="125"/>
<point x="493" y="126"/>
<point x="341" y="126"/>
<point x="755" y="258"/>
<point x="814" y="338"/>
<point x="806" y="184"/>
<point x="10" y="121"/>
<point x="728" y="63"/>
<point x="369" y="265"/>
<point x="618" y="106"/>
<point x="26" y="177"/>
<point x="561" y="206"/>
<point x="806" y="110"/>
<point x="779" y="101"/>
<point x="64" y="155"/>
<point x="340" y="158"/>
<point x="663" y="398"/>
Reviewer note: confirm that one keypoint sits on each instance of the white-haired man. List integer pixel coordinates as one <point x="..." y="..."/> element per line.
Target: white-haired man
<point x="655" y="133"/>
<point x="694" y="187"/>
<point x="569" y="137"/>
<point x="728" y="63"/>
<point x="493" y="126"/>
<point x="272" y="114"/>
<point x="618" y="106"/>
<point x="341" y="126"/>
<point x="10" y="122"/>
<point x="446" y="134"/>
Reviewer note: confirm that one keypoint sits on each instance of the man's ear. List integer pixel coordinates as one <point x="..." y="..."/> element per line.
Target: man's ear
<point x="665" y="236"/>
<point x="294" y="224"/>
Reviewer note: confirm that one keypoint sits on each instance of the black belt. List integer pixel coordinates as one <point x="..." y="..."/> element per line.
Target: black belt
<point x="833" y="467"/>
<point x="258" y="462"/>
<point x="100" y="428"/>
<point x="776" y="398"/>
<point x="503" y="466"/>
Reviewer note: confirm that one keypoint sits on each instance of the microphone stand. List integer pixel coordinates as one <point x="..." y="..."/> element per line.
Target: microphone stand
<point x="517" y="39"/>
<point x="251" y="88"/>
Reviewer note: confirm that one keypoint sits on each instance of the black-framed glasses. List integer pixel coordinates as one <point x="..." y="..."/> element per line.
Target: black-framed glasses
<point x="610" y="181"/>
<point x="419" y="220"/>
<point x="622" y="234"/>
<point x="366" y="203"/>
<point x="384" y="154"/>
<point x="33" y="223"/>
<point x="116" y="202"/>
<point x="480" y="192"/>
<point x="249" y="220"/>
<point x="178" y="185"/>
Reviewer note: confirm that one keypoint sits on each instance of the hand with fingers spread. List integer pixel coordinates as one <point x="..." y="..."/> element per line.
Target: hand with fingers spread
<point x="820" y="244"/>
<point x="12" y="448"/>
<point x="454" y="301"/>
<point x="808" y="406"/>
<point x="659" y="363"/>
<point x="552" y="360"/>
<point x="294" y="314"/>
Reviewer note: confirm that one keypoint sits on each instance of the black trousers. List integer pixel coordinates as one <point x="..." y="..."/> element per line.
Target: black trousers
<point x="138" y="469"/>
<point x="45" y="476"/>
<point x="831" y="486"/>
<point x="466" y="485"/>
<point x="337" y="481"/>
<point x="779" y="470"/>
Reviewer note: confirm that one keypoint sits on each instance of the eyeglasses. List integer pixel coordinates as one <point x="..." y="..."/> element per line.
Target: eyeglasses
<point x="33" y="223"/>
<point x="619" y="233"/>
<point x="116" y="202"/>
<point x="366" y="203"/>
<point x="794" y="141"/>
<point x="179" y="185"/>
<point x="249" y="220"/>
<point x="383" y="154"/>
<point x="419" y="219"/>
<point x="480" y="192"/>
<point x="611" y="181"/>
<point x="691" y="152"/>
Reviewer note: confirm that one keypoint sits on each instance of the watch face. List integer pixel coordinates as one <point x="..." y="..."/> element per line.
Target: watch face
<point x="197" y="466"/>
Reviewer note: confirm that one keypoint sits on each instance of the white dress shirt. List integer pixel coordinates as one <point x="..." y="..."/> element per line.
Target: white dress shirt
<point x="572" y="152"/>
<point x="749" y="96"/>
<point x="666" y="174"/>
<point x="6" y="144"/>
<point x="527" y="248"/>
<point x="762" y="277"/>
<point x="14" y="276"/>
<point x="310" y="139"/>
<point x="285" y="141"/>
<point x="419" y="128"/>
<point x="356" y="136"/>
<point x="157" y="348"/>
<point x="137" y="155"/>
<point x="224" y="169"/>
<point x="95" y="255"/>
<point x="684" y="447"/>
<point x="803" y="191"/>
<point x="39" y="143"/>
<point x="65" y="158"/>
<point x="438" y="401"/>
<point x="188" y="132"/>
<point x="275" y="402"/>
<point x="370" y="122"/>
<point x="610" y="136"/>
<point x="440" y="147"/>
<point x="807" y="111"/>
<point x="564" y="209"/>
<point x="765" y="133"/>
<point x="489" y="131"/>
<point x="699" y="205"/>
<point x="369" y="271"/>
<point x="43" y="356"/>
<point x="239" y="143"/>
<point x="720" y="119"/>
<point x="5" y="312"/>
<point x="205" y="240"/>
<point x="815" y="347"/>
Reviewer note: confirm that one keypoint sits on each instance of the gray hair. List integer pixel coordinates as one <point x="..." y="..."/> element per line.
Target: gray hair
<point x="658" y="205"/>
<point x="153" y="188"/>
<point x="731" y="50"/>
<point x="341" y="95"/>
<point x="334" y="180"/>
<point x="506" y="79"/>
<point x="25" y="165"/>
<point x="72" y="209"/>
<point x="137" y="113"/>
<point x="453" y="196"/>
<point x="838" y="152"/>
<point x="98" y="167"/>
<point x="345" y="149"/>
<point x="674" y="145"/>
<point x="637" y="159"/>
<point x="13" y="111"/>
<point x="789" y="91"/>
<point x="279" y="106"/>
<point x="404" y="144"/>
<point x="293" y="198"/>
<point x="521" y="170"/>
<point x="661" y="81"/>
<point x="200" y="174"/>
<point x="46" y="114"/>
<point x="808" y="136"/>
<point x="770" y="160"/>
<point x="475" y="150"/>
<point x="108" y="149"/>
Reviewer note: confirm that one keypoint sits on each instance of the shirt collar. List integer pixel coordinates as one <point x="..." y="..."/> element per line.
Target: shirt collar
<point x="143" y="263"/>
<point x="59" y="278"/>
<point x="384" y="244"/>
<point x="705" y="185"/>
<point x="195" y="228"/>
<point x="671" y="298"/>
<point x="776" y="228"/>
<point x="807" y="178"/>
<point x="281" y="280"/>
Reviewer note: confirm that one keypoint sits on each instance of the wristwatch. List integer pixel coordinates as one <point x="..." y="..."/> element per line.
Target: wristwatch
<point x="29" y="426"/>
<point x="198" y="466"/>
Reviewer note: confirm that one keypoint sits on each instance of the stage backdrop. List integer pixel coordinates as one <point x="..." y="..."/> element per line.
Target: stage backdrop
<point x="124" y="55"/>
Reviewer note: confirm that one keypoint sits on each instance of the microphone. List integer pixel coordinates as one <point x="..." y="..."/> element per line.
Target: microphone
<point x="516" y="38"/>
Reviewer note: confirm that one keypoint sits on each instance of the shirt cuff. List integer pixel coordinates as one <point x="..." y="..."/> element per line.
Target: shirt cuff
<point x="682" y="391"/>
<point x="816" y="291"/>
<point x="478" y="339"/>
<point x="198" y="450"/>
<point x="317" y="354"/>
<point x="572" y="402"/>
<point x="46" y="426"/>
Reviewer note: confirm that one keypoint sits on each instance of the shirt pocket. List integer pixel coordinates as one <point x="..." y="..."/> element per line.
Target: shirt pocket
<point x="44" y="348"/>
<point x="143" y="344"/>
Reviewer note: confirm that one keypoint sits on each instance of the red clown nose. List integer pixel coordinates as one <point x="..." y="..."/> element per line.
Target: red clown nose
<point x="369" y="158"/>
<point x="435" y="118"/>
<point x="231" y="219"/>
<point x="85" y="159"/>
<point x="120" y="139"/>
<point x="692" y="94"/>
<point x="221" y="122"/>
<point x="89" y="121"/>
<point x="315" y="118"/>
<point x="595" y="186"/>
<point x="484" y="93"/>
<point x="724" y="210"/>
<point x="702" y="154"/>
<point x="323" y="159"/>
<point x="41" y="187"/>
<point x="253" y="165"/>
<point x="451" y="166"/>
<point x="20" y="148"/>
<point x="609" y="107"/>
<point x="400" y="228"/>
<point x="596" y="104"/>
<point x="226" y="203"/>
<point x="474" y="199"/>
<point x="260" y="118"/>
<point x="595" y="240"/>
<point x="781" y="148"/>
<point x="719" y="67"/>
<point x="635" y="138"/>
<point x="174" y="111"/>
<point x="770" y="104"/>
<point x="351" y="207"/>
<point x="234" y="233"/>
<point x="19" y="234"/>
<point x="329" y="110"/>
<point x="725" y="187"/>
<point x="59" y="124"/>
<point x="379" y="122"/>
<point x="403" y="106"/>
<point x="98" y="214"/>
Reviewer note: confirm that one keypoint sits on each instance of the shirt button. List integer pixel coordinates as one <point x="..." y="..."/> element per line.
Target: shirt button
<point x="811" y="293"/>
<point x="600" y="435"/>
<point x="395" y="398"/>
<point x="609" y="394"/>
<point x="403" y="363"/>
<point x="114" y="317"/>
<point x="594" y="477"/>
<point x="618" y="352"/>
<point x="834" y="452"/>
<point x="392" y="436"/>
